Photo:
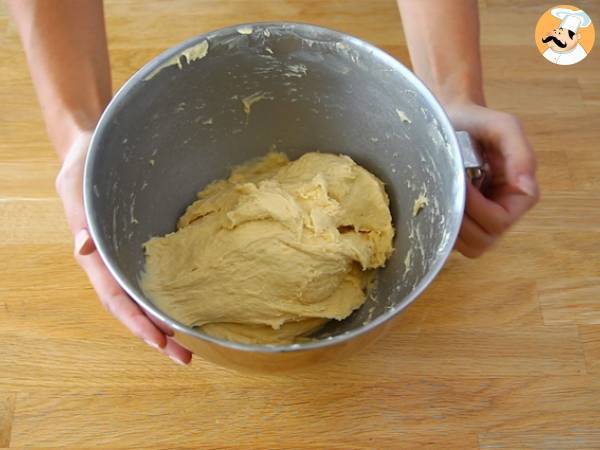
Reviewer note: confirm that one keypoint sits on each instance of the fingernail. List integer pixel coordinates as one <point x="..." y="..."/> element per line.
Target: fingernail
<point x="527" y="185"/>
<point x="177" y="360"/>
<point x="82" y="242"/>
<point x="152" y="344"/>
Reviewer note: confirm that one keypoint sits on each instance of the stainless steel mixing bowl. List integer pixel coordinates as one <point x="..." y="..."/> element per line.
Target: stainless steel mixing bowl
<point x="230" y="95"/>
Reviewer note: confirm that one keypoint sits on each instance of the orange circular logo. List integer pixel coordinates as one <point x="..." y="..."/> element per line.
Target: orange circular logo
<point x="564" y="35"/>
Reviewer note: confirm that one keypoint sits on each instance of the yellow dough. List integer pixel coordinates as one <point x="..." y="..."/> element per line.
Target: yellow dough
<point x="272" y="253"/>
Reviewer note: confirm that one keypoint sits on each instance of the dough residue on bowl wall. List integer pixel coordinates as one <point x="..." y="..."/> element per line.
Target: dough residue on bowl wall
<point x="420" y="203"/>
<point x="275" y="251"/>
<point x="251" y="99"/>
<point x="193" y="53"/>
<point x="403" y="117"/>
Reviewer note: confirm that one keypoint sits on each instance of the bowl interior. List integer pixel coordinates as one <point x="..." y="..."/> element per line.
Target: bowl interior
<point x="180" y="123"/>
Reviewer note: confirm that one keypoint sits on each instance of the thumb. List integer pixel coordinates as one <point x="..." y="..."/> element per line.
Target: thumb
<point x="518" y="191"/>
<point x="84" y="245"/>
<point x="69" y="183"/>
<point x="519" y="160"/>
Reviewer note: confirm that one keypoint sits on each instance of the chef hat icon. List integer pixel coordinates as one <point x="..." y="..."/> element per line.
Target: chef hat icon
<point x="571" y="20"/>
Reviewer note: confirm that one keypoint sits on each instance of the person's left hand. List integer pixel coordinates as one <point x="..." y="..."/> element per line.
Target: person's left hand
<point x="513" y="189"/>
<point x="69" y="185"/>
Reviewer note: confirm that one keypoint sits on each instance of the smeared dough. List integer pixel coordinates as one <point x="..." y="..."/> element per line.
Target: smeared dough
<point x="275" y="251"/>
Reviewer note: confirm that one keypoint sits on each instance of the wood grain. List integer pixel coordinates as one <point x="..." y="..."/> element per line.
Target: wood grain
<point x="590" y="338"/>
<point x="566" y="439"/>
<point x="25" y="220"/>
<point x="500" y="352"/>
<point x="424" y="406"/>
<point x="46" y="267"/>
<point x="7" y="409"/>
<point x="571" y="301"/>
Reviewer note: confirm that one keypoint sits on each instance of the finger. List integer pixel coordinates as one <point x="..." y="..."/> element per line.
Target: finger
<point x="459" y="244"/>
<point x="519" y="159"/>
<point x="518" y="190"/>
<point x="488" y="214"/>
<point x="465" y="249"/>
<point x="177" y="353"/>
<point x="475" y="237"/>
<point x="72" y="199"/>
<point x="69" y="187"/>
<point x="69" y="184"/>
<point x="84" y="245"/>
<point x="515" y="205"/>
<point x="118" y="303"/>
<point x="162" y="326"/>
<point x="124" y="309"/>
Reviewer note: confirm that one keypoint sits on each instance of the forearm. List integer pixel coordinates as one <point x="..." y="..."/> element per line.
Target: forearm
<point x="443" y="42"/>
<point x="65" y="45"/>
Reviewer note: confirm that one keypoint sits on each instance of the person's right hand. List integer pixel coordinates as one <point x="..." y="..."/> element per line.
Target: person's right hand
<point x="513" y="189"/>
<point x="69" y="185"/>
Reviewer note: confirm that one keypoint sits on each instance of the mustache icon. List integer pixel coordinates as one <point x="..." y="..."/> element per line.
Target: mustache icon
<point x="555" y="40"/>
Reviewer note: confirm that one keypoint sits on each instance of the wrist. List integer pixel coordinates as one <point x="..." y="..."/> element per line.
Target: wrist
<point x="455" y="83"/>
<point x="455" y="101"/>
<point x="459" y="103"/>
<point x="65" y="128"/>
<point x="459" y="90"/>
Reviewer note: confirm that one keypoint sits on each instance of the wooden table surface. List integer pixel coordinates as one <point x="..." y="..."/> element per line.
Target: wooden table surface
<point x="500" y="352"/>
